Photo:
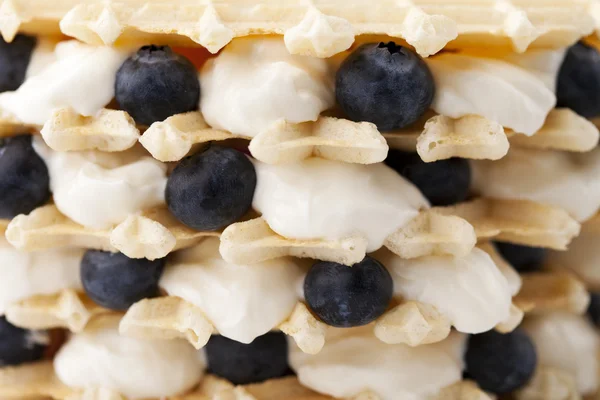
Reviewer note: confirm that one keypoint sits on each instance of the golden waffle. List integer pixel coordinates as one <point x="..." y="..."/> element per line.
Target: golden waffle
<point x="319" y="28"/>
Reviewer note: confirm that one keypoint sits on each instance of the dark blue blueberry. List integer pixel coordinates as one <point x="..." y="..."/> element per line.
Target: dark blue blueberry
<point x="442" y="182"/>
<point x="265" y="358"/>
<point x="19" y="346"/>
<point x="116" y="281"/>
<point x="500" y="363"/>
<point x="385" y="84"/>
<point x="14" y="60"/>
<point x="212" y="189"/>
<point x="24" y="180"/>
<point x="346" y="296"/>
<point x="578" y="86"/>
<point x="594" y="308"/>
<point x="156" y="83"/>
<point x="522" y="258"/>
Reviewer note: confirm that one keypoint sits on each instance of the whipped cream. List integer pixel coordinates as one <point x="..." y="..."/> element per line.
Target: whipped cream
<point x="563" y="179"/>
<point x="513" y="91"/>
<point x="100" y="357"/>
<point x="98" y="189"/>
<point x="254" y="82"/>
<point x="471" y="291"/>
<point x="544" y="64"/>
<point x="82" y="77"/>
<point x="23" y="274"/>
<point x="567" y="342"/>
<point x="354" y="361"/>
<point x="242" y="301"/>
<point x="582" y="257"/>
<point x="318" y="198"/>
<point x="512" y="277"/>
<point x="42" y="56"/>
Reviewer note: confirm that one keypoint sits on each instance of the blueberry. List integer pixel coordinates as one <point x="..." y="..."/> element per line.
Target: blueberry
<point x="500" y="363"/>
<point x="116" y="281"/>
<point x="385" y="84"/>
<point x="522" y="258"/>
<point x="442" y="182"/>
<point x="265" y="358"/>
<point x="578" y="86"/>
<point x="156" y="83"/>
<point x="24" y="179"/>
<point x="345" y="296"/>
<point x="19" y="346"/>
<point x="594" y="308"/>
<point x="14" y="60"/>
<point x="211" y="190"/>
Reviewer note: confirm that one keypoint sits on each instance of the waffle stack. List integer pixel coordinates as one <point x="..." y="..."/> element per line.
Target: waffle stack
<point x="513" y="254"/>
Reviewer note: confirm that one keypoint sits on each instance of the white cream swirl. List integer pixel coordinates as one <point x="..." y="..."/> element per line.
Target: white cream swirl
<point x="24" y="274"/>
<point x="254" y="82"/>
<point x="242" y="301"/>
<point x="99" y="190"/>
<point x="471" y="291"/>
<point x="354" y="360"/>
<point x="82" y="77"/>
<point x="318" y="198"/>
<point x="42" y="56"/>
<point x="100" y="357"/>
<point x="567" y="342"/>
<point x="562" y="179"/>
<point x="543" y="63"/>
<point x="513" y="92"/>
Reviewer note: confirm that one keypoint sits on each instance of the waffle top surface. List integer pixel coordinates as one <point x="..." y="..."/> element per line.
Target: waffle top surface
<point x="319" y="27"/>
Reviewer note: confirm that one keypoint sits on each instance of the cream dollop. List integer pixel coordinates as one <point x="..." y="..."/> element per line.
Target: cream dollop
<point x="318" y="198"/>
<point x="543" y="63"/>
<point x="512" y="277"/>
<point x="471" y="291"/>
<point x="99" y="190"/>
<point x="563" y="179"/>
<point x="100" y="357"/>
<point x="506" y="92"/>
<point x="23" y="274"/>
<point x="42" y="56"/>
<point x="582" y="257"/>
<point x="567" y="342"/>
<point x="354" y="361"/>
<point x="82" y="77"/>
<point x="242" y="301"/>
<point x="255" y="82"/>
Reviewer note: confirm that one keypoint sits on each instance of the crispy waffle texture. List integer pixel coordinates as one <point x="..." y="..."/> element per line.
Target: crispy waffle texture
<point x="320" y="28"/>
<point x="38" y="381"/>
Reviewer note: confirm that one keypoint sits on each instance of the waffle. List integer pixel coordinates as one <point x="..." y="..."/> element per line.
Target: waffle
<point x="436" y="138"/>
<point x="442" y="230"/>
<point x="318" y="28"/>
<point x="165" y="318"/>
<point x="547" y="291"/>
<point x="337" y="139"/>
<point x="67" y="309"/>
<point x="39" y="380"/>
<point x="152" y="235"/>
<point x="475" y="137"/>
<point x="412" y="323"/>
<point x="517" y="221"/>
